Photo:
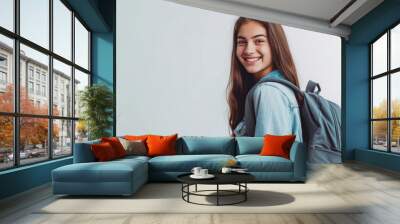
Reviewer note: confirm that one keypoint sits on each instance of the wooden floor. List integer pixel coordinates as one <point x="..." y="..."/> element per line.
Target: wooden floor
<point x="378" y="188"/>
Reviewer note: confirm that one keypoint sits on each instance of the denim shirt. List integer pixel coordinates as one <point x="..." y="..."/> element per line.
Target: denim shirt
<point x="270" y="108"/>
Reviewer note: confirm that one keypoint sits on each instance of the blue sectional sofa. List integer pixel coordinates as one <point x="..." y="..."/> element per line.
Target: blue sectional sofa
<point x="125" y="176"/>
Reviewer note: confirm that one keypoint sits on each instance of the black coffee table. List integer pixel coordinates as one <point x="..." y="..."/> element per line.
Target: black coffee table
<point x="238" y="179"/>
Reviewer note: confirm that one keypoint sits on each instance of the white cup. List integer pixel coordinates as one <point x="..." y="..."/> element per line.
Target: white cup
<point x="226" y="170"/>
<point x="203" y="172"/>
<point x="196" y="171"/>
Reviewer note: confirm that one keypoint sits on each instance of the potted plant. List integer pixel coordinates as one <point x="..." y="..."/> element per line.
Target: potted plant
<point x="96" y="102"/>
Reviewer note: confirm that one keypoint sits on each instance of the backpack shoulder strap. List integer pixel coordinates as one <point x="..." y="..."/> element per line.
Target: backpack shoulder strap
<point x="286" y="83"/>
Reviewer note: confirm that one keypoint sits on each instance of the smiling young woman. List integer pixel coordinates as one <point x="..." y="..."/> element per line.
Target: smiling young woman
<point x="256" y="108"/>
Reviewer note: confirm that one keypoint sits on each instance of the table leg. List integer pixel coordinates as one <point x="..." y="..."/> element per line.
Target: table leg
<point x="217" y="194"/>
<point x="188" y="190"/>
<point x="196" y="188"/>
<point x="245" y="193"/>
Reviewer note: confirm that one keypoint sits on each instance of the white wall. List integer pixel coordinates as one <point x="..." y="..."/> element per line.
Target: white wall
<point x="317" y="57"/>
<point x="173" y="65"/>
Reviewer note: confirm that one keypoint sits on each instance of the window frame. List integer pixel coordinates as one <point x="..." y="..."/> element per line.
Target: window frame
<point x="16" y="115"/>
<point x="388" y="74"/>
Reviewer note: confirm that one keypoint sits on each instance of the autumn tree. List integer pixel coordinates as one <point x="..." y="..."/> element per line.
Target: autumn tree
<point x="380" y="127"/>
<point x="33" y="131"/>
<point x="6" y="122"/>
<point x="395" y="123"/>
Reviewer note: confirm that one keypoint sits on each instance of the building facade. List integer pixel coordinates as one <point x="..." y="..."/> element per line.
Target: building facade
<point x="34" y="82"/>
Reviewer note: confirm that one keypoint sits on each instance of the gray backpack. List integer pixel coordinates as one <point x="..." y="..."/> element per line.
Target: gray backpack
<point x="321" y="123"/>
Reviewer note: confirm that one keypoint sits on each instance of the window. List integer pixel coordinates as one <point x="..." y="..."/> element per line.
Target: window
<point x="81" y="81"/>
<point x="55" y="102"/>
<point x="7" y="14"/>
<point x="30" y="72"/>
<point x="3" y="78"/>
<point x="6" y="142"/>
<point x="62" y="137"/>
<point x="43" y="90"/>
<point x="385" y="94"/>
<point x="44" y="131"/>
<point x="35" y="21"/>
<point x="6" y="73"/>
<point x="3" y="61"/>
<point x="62" y="29"/>
<point x="30" y="87"/>
<point x="3" y="72"/>
<point x="38" y="74"/>
<point x="38" y="89"/>
<point x="33" y="149"/>
<point x="81" y="45"/>
<point x="62" y="75"/>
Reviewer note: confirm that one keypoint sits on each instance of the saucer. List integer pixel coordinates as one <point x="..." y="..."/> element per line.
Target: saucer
<point x="208" y="176"/>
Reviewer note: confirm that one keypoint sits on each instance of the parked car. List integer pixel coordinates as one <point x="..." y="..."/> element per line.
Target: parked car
<point x="10" y="156"/>
<point x="22" y="155"/>
<point x="57" y="152"/>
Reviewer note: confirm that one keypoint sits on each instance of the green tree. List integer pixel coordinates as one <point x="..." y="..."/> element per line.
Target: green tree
<point x="97" y="104"/>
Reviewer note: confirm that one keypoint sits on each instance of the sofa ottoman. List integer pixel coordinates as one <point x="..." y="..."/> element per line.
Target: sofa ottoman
<point x="119" y="177"/>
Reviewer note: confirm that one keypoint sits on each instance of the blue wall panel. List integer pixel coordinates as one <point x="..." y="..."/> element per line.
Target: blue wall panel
<point x="24" y="178"/>
<point x="356" y="82"/>
<point x="102" y="58"/>
<point x="377" y="158"/>
<point x="103" y="63"/>
<point x="357" y="99"/>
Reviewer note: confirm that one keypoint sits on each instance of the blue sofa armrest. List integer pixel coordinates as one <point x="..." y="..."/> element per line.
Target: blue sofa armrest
<point x="83" y="152"/>
<point x="298" y="155"/>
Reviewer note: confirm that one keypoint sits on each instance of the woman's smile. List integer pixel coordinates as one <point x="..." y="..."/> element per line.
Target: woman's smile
<point x="251" y="60"/>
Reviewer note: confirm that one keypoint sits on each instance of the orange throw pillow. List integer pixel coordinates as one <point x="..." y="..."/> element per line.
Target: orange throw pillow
<point x="136" y="137"/>
<point x="116" y="145"/>
<point x="277" y="145"/>
<point x="103" y="151"/>
<point x="161" y="145"/>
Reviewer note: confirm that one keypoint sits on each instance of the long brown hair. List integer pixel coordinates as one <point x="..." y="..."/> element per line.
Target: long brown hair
<point x="240" y="81"/>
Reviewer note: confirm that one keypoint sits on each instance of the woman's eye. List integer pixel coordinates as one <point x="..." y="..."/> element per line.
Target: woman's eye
<point x="241" y="42"/>
<point x="259" y="41"/>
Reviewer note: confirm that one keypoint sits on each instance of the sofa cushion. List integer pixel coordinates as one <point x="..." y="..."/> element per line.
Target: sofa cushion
<point x="197" y="145"/>
<point x="249" y="145"/>
<point x="257" y="163"/>
<point x="185" y="163"/>
<point x="83" y="152"/>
